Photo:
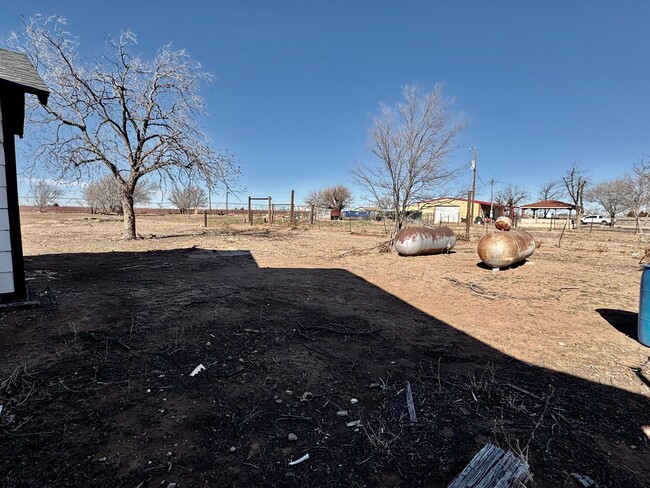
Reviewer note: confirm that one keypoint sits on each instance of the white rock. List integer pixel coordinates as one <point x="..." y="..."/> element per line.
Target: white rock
<point x="197" y="370"/>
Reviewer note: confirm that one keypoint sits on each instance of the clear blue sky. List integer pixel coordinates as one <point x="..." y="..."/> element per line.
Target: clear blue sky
<point x="542" y="84"/>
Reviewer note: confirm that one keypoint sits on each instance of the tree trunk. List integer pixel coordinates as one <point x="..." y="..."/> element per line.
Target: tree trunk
<point x="579" y="215"/>
<point x="129" y="216"/>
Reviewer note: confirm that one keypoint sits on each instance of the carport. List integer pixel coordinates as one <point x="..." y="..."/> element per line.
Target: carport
<point x="548" y="206"/>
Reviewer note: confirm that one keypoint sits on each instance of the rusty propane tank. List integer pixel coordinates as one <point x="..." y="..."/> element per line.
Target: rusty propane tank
<point x="414" y="241"/>
<point x="503" y="223"/>
<point x="502" y="249"/>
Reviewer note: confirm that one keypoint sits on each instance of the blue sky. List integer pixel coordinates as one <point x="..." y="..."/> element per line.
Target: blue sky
<point x="542" y="84"/>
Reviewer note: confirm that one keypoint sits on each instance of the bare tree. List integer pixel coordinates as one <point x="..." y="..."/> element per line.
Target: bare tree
<point x="314" y="198"/>
<point x="335" y="197"/>
<point x="188" y="198"/>
<point x="509" y="198"/>
<point x="610" y="195"/>
<point x="551" y="190"/>
<point x="44" y="193"/>
<point x="105" y="195"/>
<point x="636" y="195"/>
<point x="412" y="143"/>
<point x="575" y="184"/>
<point x="119" y="112"/>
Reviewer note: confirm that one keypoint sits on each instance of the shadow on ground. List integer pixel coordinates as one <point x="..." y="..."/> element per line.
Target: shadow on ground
<point x="96" y="386"/>
<point x="622" y="320"/>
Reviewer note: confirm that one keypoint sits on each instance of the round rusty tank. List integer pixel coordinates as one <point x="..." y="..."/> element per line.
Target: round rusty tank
<point x="414" y="241"/>
<point x="501" y="249"/>
<point x="503" y="223"/>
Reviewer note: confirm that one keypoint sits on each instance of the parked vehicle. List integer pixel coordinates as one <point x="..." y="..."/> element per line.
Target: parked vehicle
<point x="595" y="219"/>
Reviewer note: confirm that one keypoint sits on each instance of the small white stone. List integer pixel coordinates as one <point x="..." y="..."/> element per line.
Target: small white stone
<point x="354" y="401"/>
<point x="292" y="437"/>
<point x="233" y="449"/>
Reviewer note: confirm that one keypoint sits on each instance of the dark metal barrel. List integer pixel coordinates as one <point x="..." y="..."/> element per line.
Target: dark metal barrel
<point x="414" y="241"/>
<point x="502" y="249"/>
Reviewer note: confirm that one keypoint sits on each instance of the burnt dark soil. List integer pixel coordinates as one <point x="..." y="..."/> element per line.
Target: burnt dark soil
<point x="96" y="388"/>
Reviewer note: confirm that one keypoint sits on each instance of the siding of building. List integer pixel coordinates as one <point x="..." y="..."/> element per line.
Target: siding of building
<point x="6" y="268"/>
<point x="429" y="208"/>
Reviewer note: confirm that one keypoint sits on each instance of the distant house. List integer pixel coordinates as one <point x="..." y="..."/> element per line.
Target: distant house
<point x="452" y="210"/>
<point x="17" y="77"/>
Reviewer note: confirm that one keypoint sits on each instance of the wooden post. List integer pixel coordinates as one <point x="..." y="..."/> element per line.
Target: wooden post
<point x="270" y="211"/>
<point x="469" y="196"/>
<point x="311" y="216"/>
<point x="291" y="211"/>
<point x="250" y="212"/>
<point x="205" y="218"/>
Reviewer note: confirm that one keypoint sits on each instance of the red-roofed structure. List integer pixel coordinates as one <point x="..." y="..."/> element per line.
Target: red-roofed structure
<point x="547" y="205"/>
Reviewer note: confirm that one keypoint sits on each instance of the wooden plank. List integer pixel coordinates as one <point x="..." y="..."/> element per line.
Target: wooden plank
<point x="3" y="197"/>
<point x="7" y="283"/>
<point x="5" y="240"/>
<point x="410" y="404"/>
<point x="4" y="219"/>
<point x="492" y="467"/>
<point x="6" y="265"/>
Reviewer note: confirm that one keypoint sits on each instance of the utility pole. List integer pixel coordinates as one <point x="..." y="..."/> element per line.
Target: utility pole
<point x="473" y="186"/>
<point x="491" y="199"/>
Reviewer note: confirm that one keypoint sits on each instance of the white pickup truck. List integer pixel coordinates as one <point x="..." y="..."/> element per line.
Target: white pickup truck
<point x="595" y="219"/>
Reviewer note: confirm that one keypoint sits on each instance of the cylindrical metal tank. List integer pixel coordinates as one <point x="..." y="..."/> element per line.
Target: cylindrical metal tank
<point x="501" y="249"/>
<point x="414" y="241"/>
<point x="503" y="223"/>
<point x="643" y="323"/>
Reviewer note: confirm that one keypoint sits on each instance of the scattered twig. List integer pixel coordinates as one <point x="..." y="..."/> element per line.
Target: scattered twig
<point x="288" y="417"/>
<point x="525" y="392"/>
<point x="479" y="290"/>
<point x="298" y="461"/>
<point x="541" y="417"/>
<point x="27" y="434"/>
<point x="410" y="404"/>
<point x="342" y="332"/>
<point x="382" y="246"/>
<point x="559" y="242"/>
<point x="153" y="266"/>
<point x="326" y="354"/>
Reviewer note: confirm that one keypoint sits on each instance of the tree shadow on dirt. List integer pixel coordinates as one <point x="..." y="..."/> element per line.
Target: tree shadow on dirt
<point x="98" y="389"/>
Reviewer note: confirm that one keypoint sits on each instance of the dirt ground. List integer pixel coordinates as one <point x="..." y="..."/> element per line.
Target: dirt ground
<point x="303" y="332"/>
